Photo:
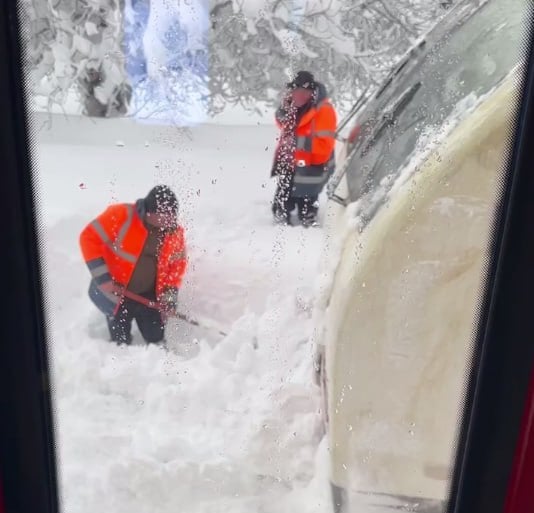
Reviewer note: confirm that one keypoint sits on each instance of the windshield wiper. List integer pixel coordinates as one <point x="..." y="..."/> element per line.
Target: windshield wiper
<point x="388" y="119"/>
<point x="391" y="115"/>
<point x="413" y="56"/>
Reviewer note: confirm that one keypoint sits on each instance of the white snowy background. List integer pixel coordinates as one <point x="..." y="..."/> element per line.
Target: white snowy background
<point x="218" y="423"/>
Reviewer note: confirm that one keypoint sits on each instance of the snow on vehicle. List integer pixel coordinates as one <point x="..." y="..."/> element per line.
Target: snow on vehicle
<point x="420" y="177"/>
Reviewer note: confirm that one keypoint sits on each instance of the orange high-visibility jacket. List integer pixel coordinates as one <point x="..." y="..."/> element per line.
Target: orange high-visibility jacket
<point x="315" y="135"/>
<point x="114" y="241"/>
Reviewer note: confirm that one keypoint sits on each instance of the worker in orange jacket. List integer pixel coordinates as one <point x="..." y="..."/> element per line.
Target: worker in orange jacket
<point x="304" y="159"/>
<point x="136" y="256"/>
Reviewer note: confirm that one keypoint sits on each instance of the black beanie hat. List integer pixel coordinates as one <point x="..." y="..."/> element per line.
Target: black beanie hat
<point x="161" y="199"/>
<point x="303" y="79"/>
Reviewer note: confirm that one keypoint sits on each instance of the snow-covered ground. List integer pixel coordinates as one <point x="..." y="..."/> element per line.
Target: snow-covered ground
<point x="217" y="424"/>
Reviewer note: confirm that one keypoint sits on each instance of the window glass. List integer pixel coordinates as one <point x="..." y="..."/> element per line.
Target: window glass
<point x="462" y="62"/>
<point x="223" y="337"/>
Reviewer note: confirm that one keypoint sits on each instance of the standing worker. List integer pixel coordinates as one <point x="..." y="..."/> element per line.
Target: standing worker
<point x="136" y="256"/>
<point x="305" y="157"/>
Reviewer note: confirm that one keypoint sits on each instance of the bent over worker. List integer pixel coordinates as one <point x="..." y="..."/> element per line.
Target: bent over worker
<point x="304" y="159"/>
<point x="135" y="253"/>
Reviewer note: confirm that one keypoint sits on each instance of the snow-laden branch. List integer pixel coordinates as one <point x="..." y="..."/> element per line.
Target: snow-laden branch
<point x="75" y="45"/>
<point x="248" y="48"/>
<point x="349" y="44"/>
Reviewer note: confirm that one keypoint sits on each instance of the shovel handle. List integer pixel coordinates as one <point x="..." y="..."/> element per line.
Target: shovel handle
<point x="157" y="306"/>
<point x="137" y="298"/>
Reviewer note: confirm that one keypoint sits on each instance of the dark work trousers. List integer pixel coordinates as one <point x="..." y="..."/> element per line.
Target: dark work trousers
<point x="149" y="321"/>
<point x="284" y="203"/>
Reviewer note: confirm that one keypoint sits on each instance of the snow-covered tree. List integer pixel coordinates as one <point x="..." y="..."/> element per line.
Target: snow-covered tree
<point x="256" y="44"/>
<point x="167" y="58"/>
<point x="243" y="54"/>
<point x="76" y="45"/>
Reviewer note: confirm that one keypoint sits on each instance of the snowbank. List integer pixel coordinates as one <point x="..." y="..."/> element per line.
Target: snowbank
<point x="217" y="424"/>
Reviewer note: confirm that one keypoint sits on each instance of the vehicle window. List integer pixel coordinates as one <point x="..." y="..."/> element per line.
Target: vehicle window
<point x="464" y="65"/>
<point x="222" y="339"/>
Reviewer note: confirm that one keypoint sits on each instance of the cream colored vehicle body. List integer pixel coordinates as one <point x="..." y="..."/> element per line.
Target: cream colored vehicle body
<point x="400" y="314"/>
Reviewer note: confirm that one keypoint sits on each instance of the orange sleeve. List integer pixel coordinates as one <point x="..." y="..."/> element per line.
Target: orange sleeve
<point x="102" y="230"/>
<point x="324" y="140"/>
<point x="177" y="261"/>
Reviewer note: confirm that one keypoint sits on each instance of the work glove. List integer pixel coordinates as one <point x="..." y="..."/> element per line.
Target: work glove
<point x="169" y="302"/>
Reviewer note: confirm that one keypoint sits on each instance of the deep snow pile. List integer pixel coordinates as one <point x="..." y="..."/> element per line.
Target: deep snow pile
<point x="218" y="424"/>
